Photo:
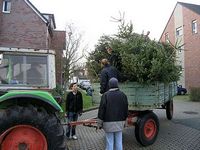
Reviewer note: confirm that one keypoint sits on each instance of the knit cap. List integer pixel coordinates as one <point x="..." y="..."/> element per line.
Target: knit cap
<point x="113" y="83"/>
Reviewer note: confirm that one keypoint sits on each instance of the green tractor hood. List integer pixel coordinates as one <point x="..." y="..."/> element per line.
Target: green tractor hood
<point x="41" y="96"/>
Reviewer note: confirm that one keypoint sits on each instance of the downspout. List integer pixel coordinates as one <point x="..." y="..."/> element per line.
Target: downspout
<point x="47" y="37"/>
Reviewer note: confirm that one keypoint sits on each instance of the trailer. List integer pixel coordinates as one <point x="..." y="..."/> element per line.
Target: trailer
<point x="142" y="99"/>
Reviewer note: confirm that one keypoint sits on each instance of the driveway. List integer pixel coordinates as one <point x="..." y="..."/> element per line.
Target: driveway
<point x="181" y="133"/>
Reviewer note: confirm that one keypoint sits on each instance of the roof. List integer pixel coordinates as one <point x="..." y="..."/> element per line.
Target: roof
<point x="42" y="16"/>
<point x="195" y="8"/>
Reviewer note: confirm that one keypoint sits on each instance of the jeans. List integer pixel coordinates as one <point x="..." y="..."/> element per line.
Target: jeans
<point x="114" y="140"/>
<point x="72" y="116"/>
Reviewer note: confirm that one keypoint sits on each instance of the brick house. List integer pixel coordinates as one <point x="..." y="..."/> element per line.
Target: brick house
<point x="183" y="27"/>
<point x="23" y="26"/>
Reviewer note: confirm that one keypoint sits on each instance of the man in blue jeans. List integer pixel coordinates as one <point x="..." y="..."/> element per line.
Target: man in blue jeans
<point x="112" y="114"/>
<point x="74" y="106"/>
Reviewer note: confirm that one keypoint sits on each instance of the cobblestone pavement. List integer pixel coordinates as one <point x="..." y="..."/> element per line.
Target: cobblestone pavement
<point x="181" y="133"/>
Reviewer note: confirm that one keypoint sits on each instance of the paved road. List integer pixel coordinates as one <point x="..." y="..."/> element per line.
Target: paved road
<point x="181" y="133"/>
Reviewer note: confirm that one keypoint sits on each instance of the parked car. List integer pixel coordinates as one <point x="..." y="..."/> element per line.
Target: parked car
<point x="85" y="84"/>
<point x="89" y="91"/>
<point x="181" y="90"/>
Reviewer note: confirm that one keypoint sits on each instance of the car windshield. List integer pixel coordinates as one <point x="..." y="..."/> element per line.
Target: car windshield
<point x="23" y="70"/>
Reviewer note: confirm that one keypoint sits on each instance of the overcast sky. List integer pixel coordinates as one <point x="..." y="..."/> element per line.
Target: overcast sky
<point x="93" y="17"/>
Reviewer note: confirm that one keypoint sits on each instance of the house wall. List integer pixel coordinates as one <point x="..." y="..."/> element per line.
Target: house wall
<point x="192" y="49"/>
<point x="22" y="27"/>
<point x="178" y="22"/>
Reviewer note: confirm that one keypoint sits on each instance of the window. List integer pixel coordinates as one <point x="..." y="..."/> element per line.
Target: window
<point x="179" y="31"/>
<point x="194" y="26"/>
<point x="6" y="6"/>
<point x="167" y="37"/>
<point x="24" y="70"/>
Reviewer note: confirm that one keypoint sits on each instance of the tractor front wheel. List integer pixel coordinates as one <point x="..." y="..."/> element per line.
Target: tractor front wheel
<point x="30" y="127"/>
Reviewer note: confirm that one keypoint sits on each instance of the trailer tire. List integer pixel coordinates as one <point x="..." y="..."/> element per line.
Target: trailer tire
<point x="169" y="109"/>
<point x="146" y="128"/>
<point x="29" y="124"/>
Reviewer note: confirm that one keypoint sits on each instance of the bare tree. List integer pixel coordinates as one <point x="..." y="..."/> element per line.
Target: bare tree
<point x="73" y="53"/>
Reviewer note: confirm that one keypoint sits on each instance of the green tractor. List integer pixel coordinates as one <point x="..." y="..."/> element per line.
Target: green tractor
<point x="28" y="112"/>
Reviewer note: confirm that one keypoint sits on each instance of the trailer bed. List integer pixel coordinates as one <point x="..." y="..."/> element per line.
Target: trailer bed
<point x="143" y="96"/>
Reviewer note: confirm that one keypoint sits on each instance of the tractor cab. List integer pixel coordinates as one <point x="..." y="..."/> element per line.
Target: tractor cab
<point x="28" y="113"/>
<point x="27" y="69"/>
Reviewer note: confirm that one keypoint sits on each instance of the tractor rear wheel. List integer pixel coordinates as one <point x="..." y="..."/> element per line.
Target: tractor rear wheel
<point x="30" y="127"/>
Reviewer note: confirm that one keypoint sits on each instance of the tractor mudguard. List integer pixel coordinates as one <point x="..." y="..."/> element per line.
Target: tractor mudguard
<point x="42" y="96"/>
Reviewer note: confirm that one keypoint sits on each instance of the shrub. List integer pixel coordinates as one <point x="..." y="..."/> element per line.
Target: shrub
<point x="195" y="94"/>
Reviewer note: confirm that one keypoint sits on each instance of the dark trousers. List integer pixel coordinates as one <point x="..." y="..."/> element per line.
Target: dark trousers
<point x="72" y="116"/>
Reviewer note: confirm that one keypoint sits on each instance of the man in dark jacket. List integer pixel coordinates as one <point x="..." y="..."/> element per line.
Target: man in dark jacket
<point x="113" y="111"/>
<point x="74" y="107"/>
<point x="106" y="74"/>
<point x="114" y="58"/>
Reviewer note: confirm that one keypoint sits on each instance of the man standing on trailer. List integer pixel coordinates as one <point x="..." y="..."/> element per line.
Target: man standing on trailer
<point x="114" y="58"/>
<point x="107" y="73"/>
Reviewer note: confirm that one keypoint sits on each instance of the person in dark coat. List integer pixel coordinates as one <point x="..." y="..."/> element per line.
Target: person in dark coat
<point x="107" y="73"/>
<point x="114" y="58"/>
<point x="74" y="107"/>
<point x="113" y="111"/>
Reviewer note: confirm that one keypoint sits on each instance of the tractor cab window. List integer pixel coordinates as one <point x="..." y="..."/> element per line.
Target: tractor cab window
<point x="24" y="70"/>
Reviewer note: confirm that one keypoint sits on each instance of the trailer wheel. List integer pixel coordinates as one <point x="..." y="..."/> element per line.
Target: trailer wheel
<point x="146" y="128"/>
<point x="30" y="128"/>
<point x="169" y="109"/>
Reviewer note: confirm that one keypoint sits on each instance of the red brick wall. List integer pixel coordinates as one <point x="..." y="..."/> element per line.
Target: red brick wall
<point x="192" y="49"/>
<point x="1" y="7"/>
<point x="22" y="28"/>
<point x="58" y="40"/>
<point x="58" y="44"/>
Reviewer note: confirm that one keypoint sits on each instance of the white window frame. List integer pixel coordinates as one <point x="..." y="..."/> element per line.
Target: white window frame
<point x="8" y="9"/>
<point x="194" y="26"/>
<point x="179" y="31"/>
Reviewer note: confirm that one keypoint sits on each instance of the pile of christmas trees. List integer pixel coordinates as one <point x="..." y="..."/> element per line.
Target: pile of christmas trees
<point x="143" y="60"/>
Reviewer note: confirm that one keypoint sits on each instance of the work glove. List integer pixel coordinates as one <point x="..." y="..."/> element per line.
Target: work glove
<point x="99" y="123"/>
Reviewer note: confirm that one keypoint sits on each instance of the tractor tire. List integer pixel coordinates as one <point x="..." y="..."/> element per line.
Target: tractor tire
<point x="146" y="128"/>
<point x="169" y="109"/>
<point x="30" y="127"/>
